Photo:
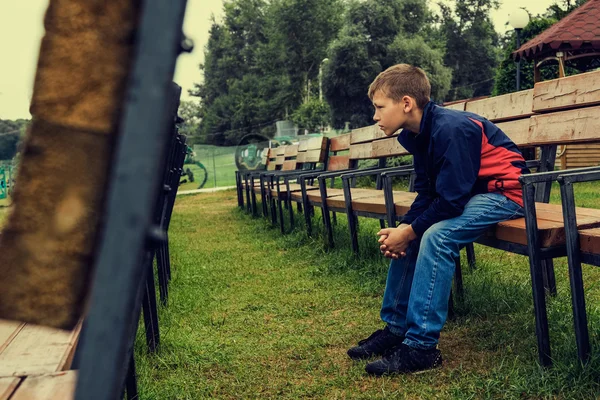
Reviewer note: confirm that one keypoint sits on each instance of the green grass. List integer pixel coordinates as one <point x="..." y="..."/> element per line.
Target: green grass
<point x="254" y="314"/>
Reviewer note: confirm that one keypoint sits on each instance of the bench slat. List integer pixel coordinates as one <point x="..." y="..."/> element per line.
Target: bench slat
<point x="503" y="108"/>
<point x="340" y="143"/>
<point x="38" y="350"/>
<point x="289" y="165"/>
<point x="517" y="131"/>
<point x="581" y="125"/>
<point x="457" y="106"/>
<point x="388" y="147"/>
<point x="8" y="330"/>
<point x="569" y="92"/>
<point x="590" y="240"/>
<point x="361" y="151"/>
<point x="315" y="156"/>
<point x="55" y="386"/>
<point x="291" y="151"/>
<point x="7" y="387"/>
<point x="336" y="163"/>
<point x="366" y="134"/>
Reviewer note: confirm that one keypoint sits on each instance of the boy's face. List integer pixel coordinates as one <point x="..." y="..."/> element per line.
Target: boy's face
<point x="389" y="115"/>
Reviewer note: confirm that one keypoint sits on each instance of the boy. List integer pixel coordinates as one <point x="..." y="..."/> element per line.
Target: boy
<point x="467" y="173"/>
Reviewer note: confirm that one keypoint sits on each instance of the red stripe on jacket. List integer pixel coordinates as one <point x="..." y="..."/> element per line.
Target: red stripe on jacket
<point x="497" y="168"/>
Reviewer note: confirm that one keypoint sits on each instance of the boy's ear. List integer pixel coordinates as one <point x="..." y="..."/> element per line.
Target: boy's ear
<point x="408" y="104"/>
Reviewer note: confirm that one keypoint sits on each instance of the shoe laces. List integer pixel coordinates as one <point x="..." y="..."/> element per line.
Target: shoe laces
<point x="375" y="334"/>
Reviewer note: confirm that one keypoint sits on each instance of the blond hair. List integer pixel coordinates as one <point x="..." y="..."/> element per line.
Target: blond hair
<point x="402" y="80"/>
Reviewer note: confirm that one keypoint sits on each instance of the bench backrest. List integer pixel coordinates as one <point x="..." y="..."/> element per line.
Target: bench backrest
<point x="371" y="143"/>
<point x="305" y="154"/>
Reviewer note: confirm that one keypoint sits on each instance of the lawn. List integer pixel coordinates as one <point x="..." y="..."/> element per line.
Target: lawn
<point x="254" y="314"/>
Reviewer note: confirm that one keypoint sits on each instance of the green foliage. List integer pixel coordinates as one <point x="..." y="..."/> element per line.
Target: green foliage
<point x="259" y="64"/>
<point x="471" y="47"/>
<point x="312" y="115"/>
<point x="11" y="133"/>
<point x="416" y="51"/>
<point x="371" y="41"/>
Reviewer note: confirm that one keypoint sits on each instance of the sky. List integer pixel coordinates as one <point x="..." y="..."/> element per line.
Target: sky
<point x="21" y="30"/>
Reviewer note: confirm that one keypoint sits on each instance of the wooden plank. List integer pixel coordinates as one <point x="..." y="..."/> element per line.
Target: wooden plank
<point x="7" y="387"/>
<point x="316" y="143"/>
<point x="387" y="148"/>
<point x="457" y="106"/>
<point x="317" y="156"/>
<point x="38" y="350"/>
<point x="336" y="163"/>
<point x="361" y="151"/>
<point x="291" y="151"/>
<point x="590" y="240"/>
<point x="570" y="92"/>
<point x="366" y="134"/>
<point x="289" y="165"/>
<point x="8" y="330"/>
<point x="271" y="166"/>
<point x="517" y="131"/>
<point x="55" y="386"/>
<point x="340" y="143"/>
<point x="280" y="151"/>
<point x="303" y="145"/>
<point x="280" y="159"/>
<point x="503" y="108"/>
<point x="580" y="125"/>
<point x="301" y="157"/>
<point x="550" y="225"/>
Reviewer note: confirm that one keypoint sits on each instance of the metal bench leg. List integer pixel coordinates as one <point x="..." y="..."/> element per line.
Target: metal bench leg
<point x="150" y="309"/>
<point x="471" y="256"/>
<point x="352" y="219"/>
<point x="163" y="278"/>
<point x="575" y="276"/>
<point x="131" y="380"/>
<point x="549" y="278"/>
<point x="290" y="210"/>
<point x="458" y="280"/>
<point x="306" y="207"/>
<point x="537" y="279"/>
<point x="451" y="313"/>
<point x="281" y="221"/>
<point x="326" y="218"/>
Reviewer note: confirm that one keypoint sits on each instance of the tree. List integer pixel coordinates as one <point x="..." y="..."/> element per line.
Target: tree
<point x="11" y="133"/>
<point x="377" y="35"/>
<point x="312" y="115"/>
<point x="471" y="44"/>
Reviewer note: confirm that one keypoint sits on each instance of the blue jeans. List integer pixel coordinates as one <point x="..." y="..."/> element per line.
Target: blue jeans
<point x="415" y="302"/>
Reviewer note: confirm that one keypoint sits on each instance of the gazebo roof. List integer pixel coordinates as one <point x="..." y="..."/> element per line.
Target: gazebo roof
<point x="578" y="30"/>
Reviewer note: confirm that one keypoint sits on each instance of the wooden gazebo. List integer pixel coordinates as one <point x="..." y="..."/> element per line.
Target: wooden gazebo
<point x="572" y="41"/>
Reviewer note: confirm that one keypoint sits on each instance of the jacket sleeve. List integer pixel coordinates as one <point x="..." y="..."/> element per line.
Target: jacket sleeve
<point x="457" y="158"/>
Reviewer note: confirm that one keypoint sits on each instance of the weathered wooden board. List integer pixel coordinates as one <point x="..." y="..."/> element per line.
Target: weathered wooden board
<point x="366" y="134"/>
<point x="550" y="225"/>
<point x="315" y="156"/>
<point x="280" y="151"/>
<point x="361" y="151"/>
<point x="336" y="163"/>
<point x="8" y="330"/>
<point x="280" y="159"/>
<point x="340" y="143"/>
<point x="313" y="143"/>
<point x="457" y="106"/>
<point x="301" y="157"/>
<point x="503" y="108"/>
<point x="590" y="240"/>
<point x="580" y="125"/>
<point x="291" y="151"/>
<point x="37" y="350"/>
<point x="289" y="165"/>
<point x="56" y="386"/>
<point x="572" y="91"/>
<point x="388" y="147"/>
<point x="7" y="387"/>
<point x="517" y="131"/>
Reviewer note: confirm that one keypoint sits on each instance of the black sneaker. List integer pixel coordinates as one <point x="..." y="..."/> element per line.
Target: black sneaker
<point x="379" y="343"/>
<point x="406" y="360"/>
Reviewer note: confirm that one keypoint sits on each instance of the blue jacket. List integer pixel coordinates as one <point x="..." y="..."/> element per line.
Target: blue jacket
<point x="456" y="155"/>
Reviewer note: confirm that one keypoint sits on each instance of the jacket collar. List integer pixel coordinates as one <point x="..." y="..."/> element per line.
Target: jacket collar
<point x="425" y="127"/>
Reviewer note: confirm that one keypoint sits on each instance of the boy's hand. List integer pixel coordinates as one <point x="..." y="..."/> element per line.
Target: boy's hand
<point x="394" y="241"/>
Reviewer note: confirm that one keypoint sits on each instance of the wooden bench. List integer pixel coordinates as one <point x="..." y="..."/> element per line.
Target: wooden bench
<point x="29" y="355"/>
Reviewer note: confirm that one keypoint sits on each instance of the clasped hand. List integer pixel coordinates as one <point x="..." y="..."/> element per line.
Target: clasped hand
<point x="394" y="241"/>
